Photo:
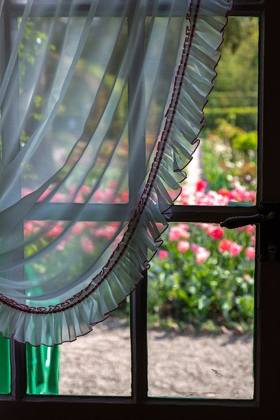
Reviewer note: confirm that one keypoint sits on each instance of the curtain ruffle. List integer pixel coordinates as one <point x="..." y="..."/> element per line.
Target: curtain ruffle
<point x="184" y="120"/>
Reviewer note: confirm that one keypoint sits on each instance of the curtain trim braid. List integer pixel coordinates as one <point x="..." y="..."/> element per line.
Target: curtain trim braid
<point x="179" y="140"/>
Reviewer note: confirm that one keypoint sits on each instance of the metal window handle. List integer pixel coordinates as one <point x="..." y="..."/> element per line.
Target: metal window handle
<point x="240" y="221"/>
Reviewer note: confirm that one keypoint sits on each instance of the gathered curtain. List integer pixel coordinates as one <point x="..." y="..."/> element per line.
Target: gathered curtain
<point x="101" y="108"/>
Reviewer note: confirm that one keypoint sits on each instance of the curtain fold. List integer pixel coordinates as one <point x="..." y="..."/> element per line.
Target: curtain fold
<point x="101" y="108"/>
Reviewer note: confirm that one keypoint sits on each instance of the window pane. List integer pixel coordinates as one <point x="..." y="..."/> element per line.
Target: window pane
<point x="224" y="168"/>
<point x="5" y="370"/>
<point x="96" y="364"/>
<point x="200" y="313"/>
<point x="81" y="115"/>
<point x="5" y="367"/>
<point x="99" y="363"/>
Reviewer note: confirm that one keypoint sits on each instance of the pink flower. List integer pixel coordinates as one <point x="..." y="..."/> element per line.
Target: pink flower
<point x="224" y="245"/>
<point x="87" y="245"/>
<point x="211" y="199"/>
<point x="250" y="253"/>
<point x="61" y="245"/>
<point x="240" y="194"/>
<point x="235" y="249"/>
<point x="183" y="246"/>
<point x="103" y="232"/>
<point x="250" y="229"/>
<point x="178" y="232"/>
<point x="247" y="277"/>
<point x="204" y="226"/>
<point x="78" y="228"/>
<point x="125" y="197"/>
<point x="28" y="227"/>
<point x="44" y="195"/>
<point x="89" y="224"/>
<point x="54" y="231"/>
<point x="163" y="254"/>
<point x="195" y="247"/>
<point x="202" y="255"/>
<point x="98" y="196"/>
<point x="58" y="198"/>
<point x="253" y="239"/>
<point x="25" y="191"/>
<point x="183" y="227"/>
<point x="112" y="185"/>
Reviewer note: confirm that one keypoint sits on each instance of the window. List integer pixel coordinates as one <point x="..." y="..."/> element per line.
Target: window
<point x="267" y="345"/>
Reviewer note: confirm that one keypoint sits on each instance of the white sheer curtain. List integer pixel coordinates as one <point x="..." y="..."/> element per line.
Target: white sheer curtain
<point x="101" y="106"/>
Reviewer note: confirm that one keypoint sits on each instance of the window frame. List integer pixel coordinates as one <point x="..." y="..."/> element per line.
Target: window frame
<point x="267" y="342"/>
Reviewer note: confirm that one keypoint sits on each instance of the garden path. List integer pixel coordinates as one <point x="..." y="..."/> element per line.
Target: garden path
<point x="181" y="365"/>
<point x="194" y="172"/>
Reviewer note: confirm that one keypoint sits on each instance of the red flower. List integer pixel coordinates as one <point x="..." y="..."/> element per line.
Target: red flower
<point x="224" y="245"/>
<point x="232" y="247"/>
<point x="201" y="185"/>
<point x="215" y="232"/>
<point x="224" y="193"/>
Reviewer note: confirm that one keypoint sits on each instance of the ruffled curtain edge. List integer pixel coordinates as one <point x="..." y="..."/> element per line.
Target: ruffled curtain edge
<point x="184" y="121"/>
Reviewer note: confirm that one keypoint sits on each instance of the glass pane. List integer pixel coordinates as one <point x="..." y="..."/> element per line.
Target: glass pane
<point x="200" y="313"/>
<point x="5" y="367"/>
<point x="75" y="121"/>
<point x="224" y="168"/>
<point x="99" y="363"/>
<point x="96" y="364"/>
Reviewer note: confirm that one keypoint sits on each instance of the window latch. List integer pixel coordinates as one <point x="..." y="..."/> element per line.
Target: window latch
<point x="240" y="221"/>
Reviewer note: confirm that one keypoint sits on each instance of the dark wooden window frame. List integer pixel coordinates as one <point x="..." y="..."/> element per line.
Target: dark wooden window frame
<point x="267" y="338"/>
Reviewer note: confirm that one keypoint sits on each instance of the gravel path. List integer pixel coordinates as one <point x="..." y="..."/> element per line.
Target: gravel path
<point x="180" y="365"/>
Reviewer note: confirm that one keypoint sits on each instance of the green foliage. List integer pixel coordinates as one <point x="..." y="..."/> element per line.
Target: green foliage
<point x="246" y="141"/>
<point x="213" y="168"/>
<point x="219" y="290"/>
<point x="244" y="117"/>
<point x="245" y="305"/>
<point x="238" y="68"/>
<point x="227" y="131"/>
<point x="229" y="156"/>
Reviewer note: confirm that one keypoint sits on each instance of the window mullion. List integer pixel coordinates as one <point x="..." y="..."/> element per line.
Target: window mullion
<point x="137" y="170"/>
<point x="10" y="131"/>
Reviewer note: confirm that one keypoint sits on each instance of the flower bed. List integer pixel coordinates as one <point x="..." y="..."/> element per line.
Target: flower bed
<point x="203" y="274"/>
